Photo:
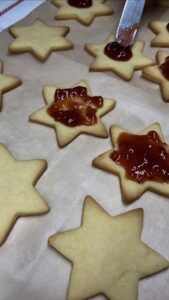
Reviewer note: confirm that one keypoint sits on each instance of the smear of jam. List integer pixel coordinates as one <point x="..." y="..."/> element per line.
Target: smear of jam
<point x="74" y="107"/>
<point x="167" y="27"/>
<point x="165" y="68"/>
<point x="80" y="3"/>
<point x="117" y="52"/>
<point x="143" y="157"/>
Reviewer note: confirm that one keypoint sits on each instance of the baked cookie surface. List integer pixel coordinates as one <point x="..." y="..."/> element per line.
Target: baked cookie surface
<point x="66" y="134"/>
<point x="7" y="83"/>
<point x="83" y="15"/>
<point x="158" y="73"/>
<point x="161" y="29"/>
<point x="39" y="39"/>
<point x="141" y="177"/>
<point x="123" y="69"/>
<point x="18" y="197"/>
<point x="107" y="254"/>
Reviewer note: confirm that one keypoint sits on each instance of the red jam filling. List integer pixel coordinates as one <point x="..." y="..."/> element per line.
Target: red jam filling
<point x="143" y="157"/>
<point x="80" y="3"/>
<point x="73" y="107"/>
<point x="165" y="68"/>
<point x="167" y="27"/>
<point x="117" y="52"/>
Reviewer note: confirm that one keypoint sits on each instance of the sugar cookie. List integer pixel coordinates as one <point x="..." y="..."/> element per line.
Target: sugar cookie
<point x="39" y="39"/>
<point x="126" y="59"/>
<point x="83" y="11"/>
<point x="77" y="114"/>
<point x="107" y="254"/>
<point x="141" y="161"/>
<point x="7" y="83"/>
<point x="162" y="31"/>
<point x="18" y="195"/>
<point x="159" y="73"/>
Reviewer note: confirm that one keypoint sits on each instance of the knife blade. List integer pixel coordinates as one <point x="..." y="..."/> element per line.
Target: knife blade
<point x="129" y="22"/>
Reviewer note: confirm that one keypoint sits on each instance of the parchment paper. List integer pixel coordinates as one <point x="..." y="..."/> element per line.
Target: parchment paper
<point x="29" y="268"/>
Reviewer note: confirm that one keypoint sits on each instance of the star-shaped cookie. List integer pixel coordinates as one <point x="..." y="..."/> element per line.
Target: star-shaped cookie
<point x="132" y="189"/>
<point x="66" y="134"/>
<point x="124" y="69"/>
<point x="7" y="83"/>
<point x="154" y="74"/>
<point x="162" y="37"/>
<point x="18" y="197"/>
<point x="39" y="39"/>
<point x="83" y="15"/>
<point x="107" y="253"/>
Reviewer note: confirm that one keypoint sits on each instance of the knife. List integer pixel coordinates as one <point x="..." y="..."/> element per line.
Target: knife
<point x="129" y="22"/>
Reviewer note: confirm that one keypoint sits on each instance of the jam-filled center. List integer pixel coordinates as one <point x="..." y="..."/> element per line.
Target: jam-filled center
<point x="144" y="157"/>
<point x="74" y="107"/>
<point x="80" y="3"/>
<point x="117" y="52"/>
<point x="167" y="27"/>
<point x="164" y="68"/>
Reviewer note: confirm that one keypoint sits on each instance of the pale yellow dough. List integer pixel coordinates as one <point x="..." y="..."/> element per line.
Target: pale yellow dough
<point x="83" y="15"/>
<point x="18" y="197"/>
<point x="107" y="254"/>
<point x="39" y="39"/>
<point x="162" y="34"/>
<point x="154" y="74"/>
<point x="66" y="134"/>
<point x="130" y="190"/>
<point x="123" y="69"/>
<point x="7" y="83"/>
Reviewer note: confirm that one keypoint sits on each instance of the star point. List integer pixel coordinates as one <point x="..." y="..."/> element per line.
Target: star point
<point x="7" y="83"/>
<point x="107" y="253"/>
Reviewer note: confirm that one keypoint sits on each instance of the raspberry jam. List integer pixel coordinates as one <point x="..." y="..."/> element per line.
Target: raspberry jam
<point x="164" y="68"/>
<point x="74" y="107"/>
<point x="143" y="157"/>
<point x="80" y="3"/>
<point x="117" y="52"/>
<point x="167" y="27"/>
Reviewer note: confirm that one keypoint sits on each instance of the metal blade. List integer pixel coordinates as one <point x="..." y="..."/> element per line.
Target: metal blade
<point x="129" y="22"/>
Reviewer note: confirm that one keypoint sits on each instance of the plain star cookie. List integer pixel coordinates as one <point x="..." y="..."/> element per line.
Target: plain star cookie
<point x="18" y="196"/>
<point x="83" y="11"/>
<point x="162" y="31"/>
<point x="159" y="73"/>
<point x="72" y="112"/>
<point x="127" y="59"/>
<point x="39" y="39"/>
<point x="7" y="83"/>
<point x="140" y="160"/>
<point x="107" y="254"/>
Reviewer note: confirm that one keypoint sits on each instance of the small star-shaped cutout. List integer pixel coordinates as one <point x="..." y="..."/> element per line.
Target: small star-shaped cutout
<point x="39" y="39"/>
<point x="66" y="134"/>
<point x="18" y="195"/>
<point x="131" y="189"/>
<point x="124" y="69"/>
<point x="108" y="254"/>
<point x="154" y="74"/>
<point x="7" y="83"/>
<point x="83" y="15"/>
<point x="162" y="37"/>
